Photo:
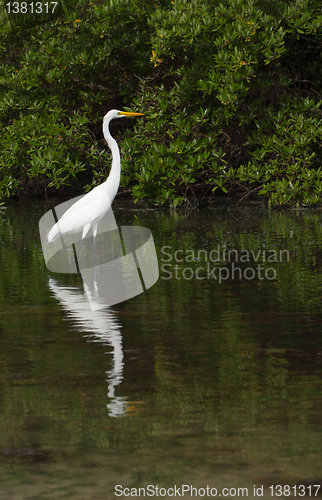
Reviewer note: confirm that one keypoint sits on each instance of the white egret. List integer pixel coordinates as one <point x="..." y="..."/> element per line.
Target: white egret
<point x="86" y="213"/>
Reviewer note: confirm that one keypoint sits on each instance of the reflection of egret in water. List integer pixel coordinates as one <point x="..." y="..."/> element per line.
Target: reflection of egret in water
<point x="102" y="326"/>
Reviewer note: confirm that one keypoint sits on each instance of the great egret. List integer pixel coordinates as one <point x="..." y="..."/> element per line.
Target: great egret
<point x="89" y="210"/>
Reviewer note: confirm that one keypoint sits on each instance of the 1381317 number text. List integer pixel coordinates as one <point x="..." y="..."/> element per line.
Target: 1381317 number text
<point x="31" y="8"/>
<point x="297" y="490"/>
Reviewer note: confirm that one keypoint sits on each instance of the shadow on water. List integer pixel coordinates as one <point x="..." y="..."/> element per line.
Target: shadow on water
<point x="212" y="377"/>
<point x="103" y="327"/>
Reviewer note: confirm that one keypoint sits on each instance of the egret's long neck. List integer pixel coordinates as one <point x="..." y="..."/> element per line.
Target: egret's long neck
<point x="115" y="173"/>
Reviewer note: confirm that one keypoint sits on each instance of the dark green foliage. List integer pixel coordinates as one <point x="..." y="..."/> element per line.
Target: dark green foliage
<point x="231" y="92"/>
<point x="59" y="75"/>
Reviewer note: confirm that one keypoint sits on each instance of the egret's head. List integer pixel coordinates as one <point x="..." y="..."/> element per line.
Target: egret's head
<point x="115" y="113"/>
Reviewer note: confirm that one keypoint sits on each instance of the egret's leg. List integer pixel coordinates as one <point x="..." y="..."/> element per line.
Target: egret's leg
<point x="78" y="251"/>
<point x="94" y="229"/>
<point x="85" y="231"/>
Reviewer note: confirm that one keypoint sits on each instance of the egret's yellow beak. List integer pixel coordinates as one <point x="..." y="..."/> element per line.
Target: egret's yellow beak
<point x="127" y="113"/>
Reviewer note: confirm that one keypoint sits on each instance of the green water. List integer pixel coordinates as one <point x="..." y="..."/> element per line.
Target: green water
<point x="195" y="382"/>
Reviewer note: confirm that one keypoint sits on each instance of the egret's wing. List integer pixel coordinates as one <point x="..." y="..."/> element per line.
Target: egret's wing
<point x="81" y="214"/>
<point x="96" y="194"/>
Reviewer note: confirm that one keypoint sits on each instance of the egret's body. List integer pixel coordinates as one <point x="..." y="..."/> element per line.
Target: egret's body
<point x="86" y="213"/>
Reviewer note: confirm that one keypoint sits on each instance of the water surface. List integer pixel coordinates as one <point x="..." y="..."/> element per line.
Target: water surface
<point x="212" y="377"/>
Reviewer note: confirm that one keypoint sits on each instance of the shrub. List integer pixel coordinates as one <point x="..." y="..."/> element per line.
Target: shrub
<point x="231" y="93"/>
<point x="59" y="75"/>
<point x="236" y="109"/>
